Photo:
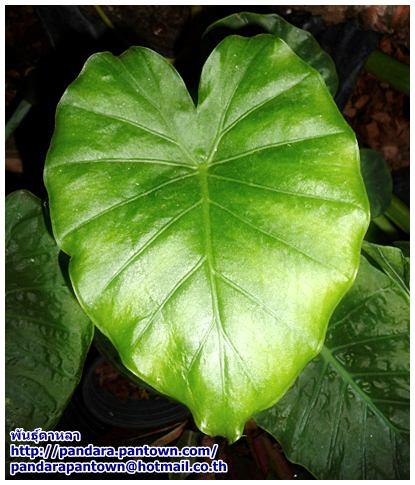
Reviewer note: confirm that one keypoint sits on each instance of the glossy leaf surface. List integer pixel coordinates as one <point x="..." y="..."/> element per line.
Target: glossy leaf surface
<point x="347" y="416"/>
<point x="47" y="333"/>
<point x="301" y="42"/>
<point x="378" y="181"/>
<point x="210" y="245"/>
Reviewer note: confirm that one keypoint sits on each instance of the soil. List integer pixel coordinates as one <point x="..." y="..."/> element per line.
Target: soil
<point x="392" y="19"/>
<point x="154" y="25"/>
<point x="379" y="114"/>
<point x="119" y="386"/>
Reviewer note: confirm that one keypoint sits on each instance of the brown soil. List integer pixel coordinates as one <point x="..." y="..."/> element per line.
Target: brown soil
<point x="156" y="26"/>
<point x="118" y="385"/>
<point x="379" y="114"/>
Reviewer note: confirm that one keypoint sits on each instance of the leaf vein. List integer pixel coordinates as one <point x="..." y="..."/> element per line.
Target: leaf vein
<point x="148" y="243"/>
<point x="397" y="276"/>
<point x="151" y="161"/>
<point x="263" y="103"/>
<point x="236" y="352"/>
<point x="28" y="318"/>
<point x="125" y="202"/>
<point x="126" y="121"/>
<point x="306" y="416"/>
<point x="336" y="323"/>
<point x="395" y="402"/>
<point x="210" y="262"/>
<point x="284" y="192"/>
<point x="369" y="340"/>
<point x="279" y="239"/>
<point x="344" y="375"/>
<point x="335" y="434"/>
<point x="167" y="122"/>
<point x="275" y="145"/>
<point x="380" y="373"/>
<point x="265" y="308"/>
<point x="169" y="296"/>
<point x="220" y="132"/>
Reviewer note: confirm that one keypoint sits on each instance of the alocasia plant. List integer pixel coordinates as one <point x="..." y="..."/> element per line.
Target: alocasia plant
<point x="47" y="334"/>
<point x="210" y="244"/>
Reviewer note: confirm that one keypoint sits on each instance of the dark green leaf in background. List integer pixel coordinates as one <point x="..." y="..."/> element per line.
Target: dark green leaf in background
<point x="404" y="246"/>
<point x="378" y="181"/>
<point x="47" y="334"/>
<point x="301" y="42"/>
<point x="347" y="416"/>
<point x="398" y="213"/>
<point x="209" y="244"/>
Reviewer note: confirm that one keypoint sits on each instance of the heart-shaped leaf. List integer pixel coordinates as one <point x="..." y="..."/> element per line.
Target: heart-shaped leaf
<point x="47" y="334"/>
<point x="347" y="416"/>
<point x="301" y="42"/>
<point x="210" y="245"/>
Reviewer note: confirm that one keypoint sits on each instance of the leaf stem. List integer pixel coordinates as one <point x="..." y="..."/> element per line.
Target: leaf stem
<point x="104" y="17"/>
<point x="398" y="213"/>
<point x="17" y="117"/>
<point x="389" y="69"/>
<point x="386" y="226"/>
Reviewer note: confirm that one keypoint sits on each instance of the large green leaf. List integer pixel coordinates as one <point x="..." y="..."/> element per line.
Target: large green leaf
<point x="210" y="245"/>
<point x="47" y="334"/>
<point x="301" y="42"/>
<point x="347" y="416"/>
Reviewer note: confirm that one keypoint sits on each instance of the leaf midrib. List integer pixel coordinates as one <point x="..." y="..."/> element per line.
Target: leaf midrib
<point x="203" y="180"/>
<point x="203" y="174"/>
<point x="328" y="357"/>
